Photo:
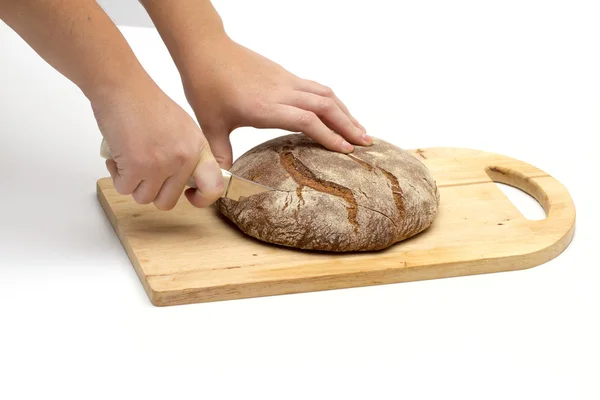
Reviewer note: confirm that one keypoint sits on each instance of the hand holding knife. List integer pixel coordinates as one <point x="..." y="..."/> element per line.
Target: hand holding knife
<point x="236" y="188"/>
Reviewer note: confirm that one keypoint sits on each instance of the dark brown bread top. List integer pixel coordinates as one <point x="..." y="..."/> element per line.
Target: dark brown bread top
<point x="367" y="200"/>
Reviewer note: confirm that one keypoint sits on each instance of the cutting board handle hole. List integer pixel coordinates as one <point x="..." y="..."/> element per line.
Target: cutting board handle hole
<point x="526" y="204"/>
<point x="522" y="191"/>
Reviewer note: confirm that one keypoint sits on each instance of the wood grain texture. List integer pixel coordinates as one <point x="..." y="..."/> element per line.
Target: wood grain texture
<point x="191" y="255"/>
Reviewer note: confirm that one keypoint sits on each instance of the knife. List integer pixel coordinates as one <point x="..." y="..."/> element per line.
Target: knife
<point x="236" y="188"/>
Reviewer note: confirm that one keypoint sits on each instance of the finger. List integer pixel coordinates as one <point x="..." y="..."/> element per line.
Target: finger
<point x="122" y="185"/>
<point x="220" y="146"/>
<point x="297" y="120"/>
<point x="355" y="122"/>
<point x="208" y="179"/>
<point x="321" y="90"/>
<point x="147" y="191"/>
<point x="330" y="112"/>
<point x="171" y="191"/>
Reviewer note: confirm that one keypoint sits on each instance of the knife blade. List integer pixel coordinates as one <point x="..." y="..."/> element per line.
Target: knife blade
<point x="235" y="187"/>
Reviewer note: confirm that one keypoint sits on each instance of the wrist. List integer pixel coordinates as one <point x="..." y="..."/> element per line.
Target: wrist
<point x="195" y="56"/>
<point x="99" y="89"/>
<point x="203" y="59"/>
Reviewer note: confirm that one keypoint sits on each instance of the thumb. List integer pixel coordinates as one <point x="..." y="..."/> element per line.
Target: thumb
<point x="208" y="179"/>
<point x="221" y="146"/>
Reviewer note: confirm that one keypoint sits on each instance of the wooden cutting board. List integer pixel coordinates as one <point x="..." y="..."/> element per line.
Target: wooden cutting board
<point x="191" y="255"/>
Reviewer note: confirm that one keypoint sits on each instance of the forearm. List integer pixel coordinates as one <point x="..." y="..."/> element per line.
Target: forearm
<point x="78" y="39"/>
<point x="188" y="28"/>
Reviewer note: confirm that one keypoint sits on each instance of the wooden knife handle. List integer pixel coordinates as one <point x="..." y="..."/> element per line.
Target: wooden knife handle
<point x="105" y="153"/>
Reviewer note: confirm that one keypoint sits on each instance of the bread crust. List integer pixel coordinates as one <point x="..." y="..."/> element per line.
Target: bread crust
<point x="328" y="201"/>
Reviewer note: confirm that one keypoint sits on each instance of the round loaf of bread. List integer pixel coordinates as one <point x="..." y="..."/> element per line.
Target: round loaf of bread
<point x="328" y="201"/>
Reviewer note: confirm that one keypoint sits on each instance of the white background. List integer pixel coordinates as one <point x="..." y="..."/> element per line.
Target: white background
<point x="520" y="78"/>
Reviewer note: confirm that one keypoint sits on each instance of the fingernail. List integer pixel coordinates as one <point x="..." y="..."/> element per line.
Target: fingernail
<point x="211" y="178"/>
<point x="347" y="147"/>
